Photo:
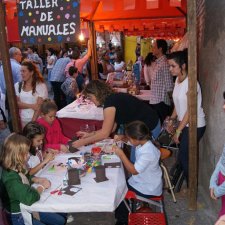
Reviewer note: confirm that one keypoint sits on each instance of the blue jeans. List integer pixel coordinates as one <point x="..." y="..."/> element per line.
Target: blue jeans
<point x="183" y="155"/>
<point x="45" y="219"/>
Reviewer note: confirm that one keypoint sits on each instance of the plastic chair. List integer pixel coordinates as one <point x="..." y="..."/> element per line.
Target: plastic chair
<point x="165" y="153"/>
<point x="145" y="218"/>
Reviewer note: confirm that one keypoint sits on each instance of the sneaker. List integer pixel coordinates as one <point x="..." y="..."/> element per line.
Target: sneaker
<point x="70" y="218"/>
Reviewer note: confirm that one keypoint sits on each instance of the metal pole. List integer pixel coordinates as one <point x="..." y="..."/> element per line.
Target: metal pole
<point x="13" y="107"/>
<point x="192" y="104"/>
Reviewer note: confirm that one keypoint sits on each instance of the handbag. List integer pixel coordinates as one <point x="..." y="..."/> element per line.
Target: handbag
<point x="165" y="138"/>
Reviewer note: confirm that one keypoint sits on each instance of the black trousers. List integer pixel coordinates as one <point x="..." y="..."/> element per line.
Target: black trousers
<point x="59" y="96"/>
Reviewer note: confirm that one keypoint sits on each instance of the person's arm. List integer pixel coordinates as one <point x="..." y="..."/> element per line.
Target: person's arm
<point x="181" y="126"/>
<point x="23" y="105"/>
<point x="48" y="157"/>
<point x="127" y="163"/>
<point x="23" y="193"/>
<point x="37" y="111"/>
<point x="107" y="128"/>
<point x="42" y="183"/>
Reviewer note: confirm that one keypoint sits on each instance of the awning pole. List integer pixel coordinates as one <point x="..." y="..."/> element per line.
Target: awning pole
<point x="192" y="104"/>
<point x="13" y="107"/>
<point x="94" y="60"/>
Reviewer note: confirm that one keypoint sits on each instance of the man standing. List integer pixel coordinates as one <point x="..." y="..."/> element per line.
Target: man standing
<point x="15" y="59"/>
<point x="57" y="78"/>
<point x="161" y="81"/>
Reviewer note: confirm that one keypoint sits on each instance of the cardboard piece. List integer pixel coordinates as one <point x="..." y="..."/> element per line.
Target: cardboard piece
<point x="112" y="161"/>
<point x="71" y="148"/>
<point x="100" y="174"/>
<point x="73" y="176"/>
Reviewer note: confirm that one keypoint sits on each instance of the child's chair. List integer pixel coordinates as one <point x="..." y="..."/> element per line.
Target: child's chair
<point x="145" y="218"/>
<point x="166" y="153"/>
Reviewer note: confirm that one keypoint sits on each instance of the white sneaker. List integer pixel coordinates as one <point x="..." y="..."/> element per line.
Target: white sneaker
<point x="70" y="218"/>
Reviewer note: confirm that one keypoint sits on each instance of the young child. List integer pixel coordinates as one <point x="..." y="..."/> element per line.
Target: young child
<point x="69" y="86"/>
<point x="217" y="184"/>
<point x="54" y="138"/>
<point x="16" y="183"/>
<point x="146" y="179"/>
<point x="36" y="133"/>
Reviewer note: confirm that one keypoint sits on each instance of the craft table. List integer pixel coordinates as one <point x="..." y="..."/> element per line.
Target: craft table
<point x="93" y="197"/>
<point x="74" y="115"/>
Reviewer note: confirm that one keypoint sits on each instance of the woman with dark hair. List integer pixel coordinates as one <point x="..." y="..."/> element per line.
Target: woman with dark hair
<point x="118" y="109"/>
<point x="148" y="67"/>
<point x="179" y="68"/>
<point x="30" y="92"/>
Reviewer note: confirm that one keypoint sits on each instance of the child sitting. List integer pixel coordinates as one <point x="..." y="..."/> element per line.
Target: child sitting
<point x="146" y="179"/>
<point x="54" y="138"/>
<point x="36" y="133"/>
<point x="69" y="86"/>
<point x="15" y="183"/>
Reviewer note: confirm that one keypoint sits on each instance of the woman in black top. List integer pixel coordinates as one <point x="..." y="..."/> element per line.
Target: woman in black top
<point x="118" y="109"/>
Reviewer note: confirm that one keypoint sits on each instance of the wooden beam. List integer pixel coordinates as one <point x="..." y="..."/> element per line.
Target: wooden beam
<point x="13" y="107"/>
<point x="192" y="104"/>
<point x="94" y="59"/>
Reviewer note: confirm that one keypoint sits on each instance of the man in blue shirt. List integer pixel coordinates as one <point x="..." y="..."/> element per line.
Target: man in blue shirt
<point x="15" y="59"/>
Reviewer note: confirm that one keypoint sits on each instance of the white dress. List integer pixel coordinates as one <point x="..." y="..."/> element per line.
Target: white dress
<point x="29" y="98"/>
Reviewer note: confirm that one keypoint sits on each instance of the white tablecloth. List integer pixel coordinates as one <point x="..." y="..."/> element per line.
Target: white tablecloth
<point x="94" y="197"/>
<point x="81" y="111"/>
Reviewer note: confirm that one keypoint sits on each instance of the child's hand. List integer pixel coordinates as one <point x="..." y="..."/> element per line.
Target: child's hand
<point x="212" y="194"/>
<point x="118" y="137"/>
<point x="117" y="150"/>
<point x="44" y="182"/>
<point x="53" y="151"/>
<point x="49" y="156"/>
<point x="63" y="148"/>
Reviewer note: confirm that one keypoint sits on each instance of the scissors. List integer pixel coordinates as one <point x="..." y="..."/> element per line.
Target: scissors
<point x="58" y="191"/>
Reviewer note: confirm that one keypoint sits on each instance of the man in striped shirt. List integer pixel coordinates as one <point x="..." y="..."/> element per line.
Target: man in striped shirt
<point x="161" y="81"/>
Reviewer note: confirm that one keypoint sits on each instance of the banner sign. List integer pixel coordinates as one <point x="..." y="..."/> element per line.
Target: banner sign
<point x="48" y="21"/>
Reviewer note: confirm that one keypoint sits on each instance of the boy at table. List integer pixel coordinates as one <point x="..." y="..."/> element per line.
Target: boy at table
<point x="146" y="179"/>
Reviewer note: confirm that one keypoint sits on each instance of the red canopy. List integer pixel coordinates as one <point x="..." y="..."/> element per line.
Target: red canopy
<point x="152" y="18"/>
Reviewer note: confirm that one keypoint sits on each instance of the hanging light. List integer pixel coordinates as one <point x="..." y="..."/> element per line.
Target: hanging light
<point x="81" y="36"/>
<point x="115" y="40"/>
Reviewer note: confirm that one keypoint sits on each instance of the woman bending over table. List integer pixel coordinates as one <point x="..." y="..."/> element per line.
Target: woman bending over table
<point x="118" y="109"/>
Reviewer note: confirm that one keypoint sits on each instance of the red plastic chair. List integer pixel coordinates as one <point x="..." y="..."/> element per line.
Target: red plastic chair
<point x="145" y="218"/>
